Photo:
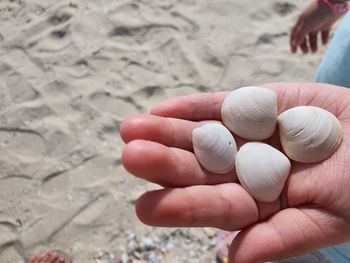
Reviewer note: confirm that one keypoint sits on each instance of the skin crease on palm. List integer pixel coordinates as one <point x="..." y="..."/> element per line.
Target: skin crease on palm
<point x="313" y="210"/>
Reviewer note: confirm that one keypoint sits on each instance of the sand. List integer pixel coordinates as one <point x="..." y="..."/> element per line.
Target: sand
<point x="72" y="71"/>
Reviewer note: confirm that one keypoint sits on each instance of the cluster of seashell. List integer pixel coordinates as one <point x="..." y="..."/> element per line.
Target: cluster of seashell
<point x="308" y="134"/>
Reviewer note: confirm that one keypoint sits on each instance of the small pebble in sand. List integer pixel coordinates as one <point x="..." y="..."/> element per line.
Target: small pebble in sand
<point x="18" y="222"/>
<point x="149" y="244"/>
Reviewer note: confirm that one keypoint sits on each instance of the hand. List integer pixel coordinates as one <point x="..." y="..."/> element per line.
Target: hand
<point x="313" y="210"/>
<point x="316" y="19"/>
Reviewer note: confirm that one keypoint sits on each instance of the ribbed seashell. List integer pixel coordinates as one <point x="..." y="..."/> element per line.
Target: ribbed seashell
<point x="214" y="147"/>
<point x="250" y="112"/>
<point x="309" y="134"/>
<point x="262" y="170"/>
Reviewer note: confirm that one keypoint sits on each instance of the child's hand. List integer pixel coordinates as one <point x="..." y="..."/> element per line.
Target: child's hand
<point x="317" y="19"/>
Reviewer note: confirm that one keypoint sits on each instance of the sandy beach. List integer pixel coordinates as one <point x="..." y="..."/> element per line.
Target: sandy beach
<point x="72" y="71"/>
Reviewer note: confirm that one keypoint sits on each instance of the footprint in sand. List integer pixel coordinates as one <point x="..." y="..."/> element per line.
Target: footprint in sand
<point x="25" y="143"/>
<point x="140" y="75"/>
<point x="119" y="106"/>
<point x="145" y="35"/>
<point x="22" y="116"/>
<point x="19" y="88"/>
<point x="10" y="8"/>
<point x="147" y="97"/>
<point x="58" y="138"/>
<point x="52" y="34"/>
<point x="59" y="17"/>
<point x="8" y="236"/>
<point x="91" y="174"/>
<point x="284" y="8"/>
<point x="10" y="254"/>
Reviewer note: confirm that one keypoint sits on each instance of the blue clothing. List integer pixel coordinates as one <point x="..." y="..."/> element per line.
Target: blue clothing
<point x="335" y="69"/>
<point x="335" y="66"/>
<point x="338" y="254"/>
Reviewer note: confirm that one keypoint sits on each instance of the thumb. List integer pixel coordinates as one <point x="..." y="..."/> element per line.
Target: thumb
<point x="288" y="233"/>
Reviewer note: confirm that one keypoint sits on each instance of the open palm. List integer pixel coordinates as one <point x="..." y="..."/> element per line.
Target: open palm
<point x="313" y="210"/>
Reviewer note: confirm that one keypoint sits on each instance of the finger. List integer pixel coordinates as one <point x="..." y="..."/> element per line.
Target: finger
<point x="295" y="36"/>
<point x="313" y="41"/>
<point x="288" y="233"/>
<point x="292" y="42"/>
<point x="293" y="46"/>
<point x="168" y="131"/>
<point x="289" y="95"/>
<point x="166" y="166"/>
<point x="226" y="206"/>
<point x="325" y="36"/>
<point x="303" y="46"/>
<point x="186" y="107"/>
<point x="300" y="35"/>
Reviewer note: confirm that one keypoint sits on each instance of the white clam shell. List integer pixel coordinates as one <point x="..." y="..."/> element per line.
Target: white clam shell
<point x="262" y="170"/>
<point x="250" y="112"/>
<point x="214" y="147"/>
<point x="309" y="134"/>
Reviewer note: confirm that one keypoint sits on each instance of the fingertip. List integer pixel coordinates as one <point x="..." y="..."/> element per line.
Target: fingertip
<point x="148" y="209"/>
<point x="123" y="131"/>
<point x="292" y="48"/>
<point x="129" y="126"/>
<point x="236" y="253"/>
<point x="142" y="209"/>
<point x="325" y="42"/>
<point x="313" y="50"/>
<point x="165" y="108"/>
<point x="250" y="245"/>
<point x="126" y="156"/>
<point x="313" y="41"/>
<point x="153" y="162"/>
<point x="146" y="127"/>
<point x="164" y="208"/>
<point x="132" y="156"/>
<point x="305" y="51"/>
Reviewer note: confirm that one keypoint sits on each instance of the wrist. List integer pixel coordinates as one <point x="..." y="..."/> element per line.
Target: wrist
<point x="337" y="7"/>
